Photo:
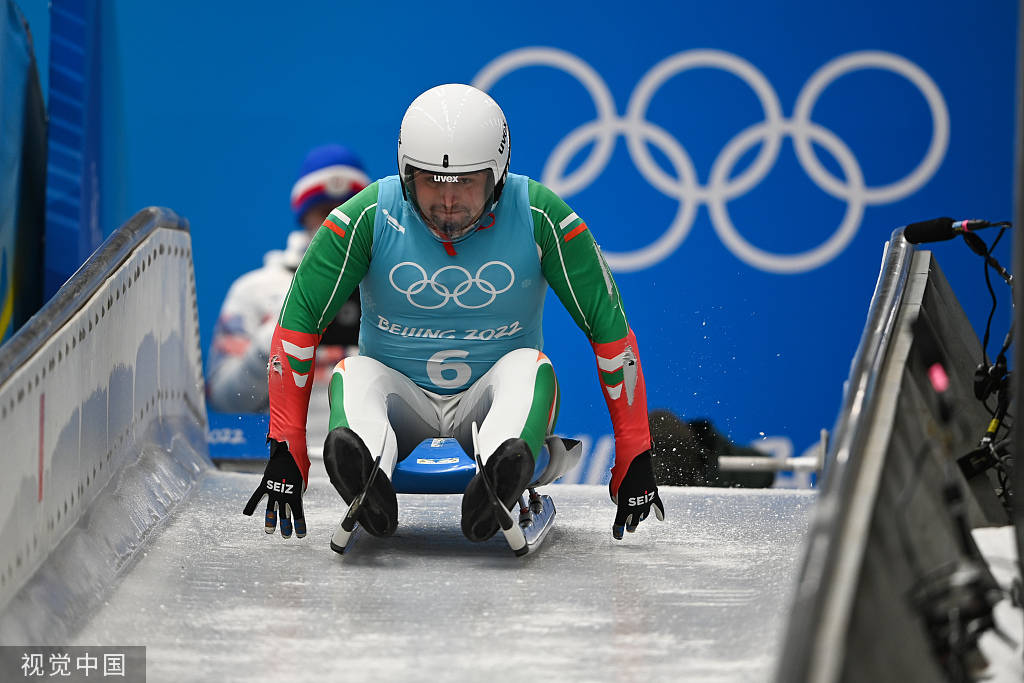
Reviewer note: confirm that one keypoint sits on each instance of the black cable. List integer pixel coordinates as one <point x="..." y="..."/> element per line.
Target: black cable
<point x="992" y="293"/>
<point x="1003" y="227"/>
<point x="1009" y="335"/>
<point x="956" y="600"/>
<point x="997" y="451"/>
<point x="978" y="246"/>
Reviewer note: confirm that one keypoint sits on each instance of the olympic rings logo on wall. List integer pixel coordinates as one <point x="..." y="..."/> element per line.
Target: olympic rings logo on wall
<point x="721" y="188"/>
<point x="442" y="294"/>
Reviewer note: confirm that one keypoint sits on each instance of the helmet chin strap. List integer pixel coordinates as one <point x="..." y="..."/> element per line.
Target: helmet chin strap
<point x="445" y="237"/>
<point x="449" y="244"/>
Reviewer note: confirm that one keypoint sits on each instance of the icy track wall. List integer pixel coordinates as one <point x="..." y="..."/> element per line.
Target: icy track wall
<point x="103" y="423"/>
<point x="881" y="528"/>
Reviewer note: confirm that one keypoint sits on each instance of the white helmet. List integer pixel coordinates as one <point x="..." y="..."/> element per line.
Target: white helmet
<point x="450" y="130"/>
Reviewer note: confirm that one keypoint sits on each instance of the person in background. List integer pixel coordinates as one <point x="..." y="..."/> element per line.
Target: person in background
<point x="236" y="379"/>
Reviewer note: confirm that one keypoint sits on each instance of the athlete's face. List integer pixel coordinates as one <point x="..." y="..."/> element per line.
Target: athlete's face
<point x="451" y="203"/>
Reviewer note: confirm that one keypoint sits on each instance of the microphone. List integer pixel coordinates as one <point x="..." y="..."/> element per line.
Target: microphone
<point x="935" y="230"/>
<point x="941" y="229"/>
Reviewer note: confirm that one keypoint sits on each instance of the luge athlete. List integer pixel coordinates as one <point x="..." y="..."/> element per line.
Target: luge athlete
<point x="452" y="258"/>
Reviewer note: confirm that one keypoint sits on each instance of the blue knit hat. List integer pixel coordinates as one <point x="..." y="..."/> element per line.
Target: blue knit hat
<point x="329" y="172"/>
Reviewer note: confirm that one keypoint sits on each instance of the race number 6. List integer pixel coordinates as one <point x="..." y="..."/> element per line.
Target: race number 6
<point x="440" y="370"/>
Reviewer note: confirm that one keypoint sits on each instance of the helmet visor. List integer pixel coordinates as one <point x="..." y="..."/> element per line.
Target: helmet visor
<point x="450" y="204"/>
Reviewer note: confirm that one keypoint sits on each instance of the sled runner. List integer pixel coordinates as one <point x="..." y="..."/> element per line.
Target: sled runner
<point x="438" y="466"/>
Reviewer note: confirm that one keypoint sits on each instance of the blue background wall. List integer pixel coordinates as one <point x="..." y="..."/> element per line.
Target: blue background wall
<point x="209" y="108"/>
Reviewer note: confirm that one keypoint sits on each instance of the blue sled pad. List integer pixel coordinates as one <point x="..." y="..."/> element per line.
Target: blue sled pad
<point x="435" y="466"/>
<point x="441" y="466"/>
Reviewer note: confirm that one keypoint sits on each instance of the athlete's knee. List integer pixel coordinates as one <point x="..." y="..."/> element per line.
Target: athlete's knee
<point x="524" y="357"/>
<point x="357" y="365"/>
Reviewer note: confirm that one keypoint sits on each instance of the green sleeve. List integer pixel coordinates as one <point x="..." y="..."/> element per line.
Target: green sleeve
<point x="575" y="269"/>
<point x="337" y="259"/>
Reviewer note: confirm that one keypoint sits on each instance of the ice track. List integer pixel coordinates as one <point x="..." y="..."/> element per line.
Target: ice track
<point x="702" y="596"/>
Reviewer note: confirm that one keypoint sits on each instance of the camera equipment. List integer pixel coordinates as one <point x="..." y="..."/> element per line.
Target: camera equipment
<point x="956" y="600"/>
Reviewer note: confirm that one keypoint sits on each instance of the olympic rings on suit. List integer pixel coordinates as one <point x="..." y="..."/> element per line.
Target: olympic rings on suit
<point x="445" y="294"/>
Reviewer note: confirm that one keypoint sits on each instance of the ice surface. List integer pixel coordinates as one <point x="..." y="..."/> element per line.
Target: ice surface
<point x="702" y="596"/>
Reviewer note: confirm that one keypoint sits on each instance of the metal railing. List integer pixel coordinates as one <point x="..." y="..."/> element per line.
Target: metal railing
<point x="812" y="649"/>
<point x="82" y="285"/>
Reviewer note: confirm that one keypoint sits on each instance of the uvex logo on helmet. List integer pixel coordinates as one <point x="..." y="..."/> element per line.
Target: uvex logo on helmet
<point x="446" y="178"/>
<point x="504" y="138"/>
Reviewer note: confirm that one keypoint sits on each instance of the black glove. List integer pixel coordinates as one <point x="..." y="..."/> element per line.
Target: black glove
<point x="282" y="484"/>
<point x="638" y="493"/>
